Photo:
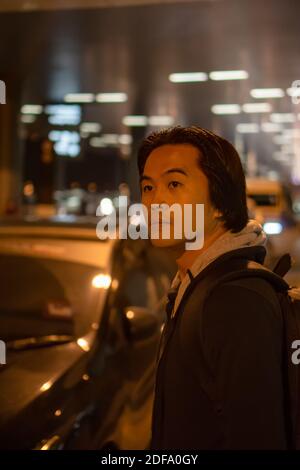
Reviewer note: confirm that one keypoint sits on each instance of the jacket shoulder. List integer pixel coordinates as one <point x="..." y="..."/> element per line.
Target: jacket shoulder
<point x="247" y="307"/>
<point x="253" y="289"/>
<point x="257" y="288"/>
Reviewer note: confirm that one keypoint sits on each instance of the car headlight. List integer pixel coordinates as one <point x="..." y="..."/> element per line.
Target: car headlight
<point x="273" y="228"/>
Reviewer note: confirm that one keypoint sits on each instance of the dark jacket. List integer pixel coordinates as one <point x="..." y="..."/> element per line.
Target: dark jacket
<point x="219" y="379"/>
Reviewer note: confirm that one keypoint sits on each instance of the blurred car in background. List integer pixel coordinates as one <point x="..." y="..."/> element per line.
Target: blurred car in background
<point x="81" y="319"/>
<point x="79" y="201"/>
<point x="270" y="203"/>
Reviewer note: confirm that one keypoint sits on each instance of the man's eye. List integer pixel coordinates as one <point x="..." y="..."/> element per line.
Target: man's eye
<point x="147" y="187"/>
<point x="174" y="184"/>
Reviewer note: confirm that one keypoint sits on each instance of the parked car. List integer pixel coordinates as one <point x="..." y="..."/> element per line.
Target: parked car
<point x="273" y="203"/>
<point x="270" y="203"/>
<point x="81" y="320"/>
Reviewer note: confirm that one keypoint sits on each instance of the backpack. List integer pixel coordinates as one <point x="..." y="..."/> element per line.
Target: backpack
<point x="289" y="300"/>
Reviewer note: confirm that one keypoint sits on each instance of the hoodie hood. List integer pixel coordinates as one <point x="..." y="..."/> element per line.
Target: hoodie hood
<point x="252" y="235"/>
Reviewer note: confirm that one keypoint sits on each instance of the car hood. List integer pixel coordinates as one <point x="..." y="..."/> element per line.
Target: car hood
<point x="30" y="376"/>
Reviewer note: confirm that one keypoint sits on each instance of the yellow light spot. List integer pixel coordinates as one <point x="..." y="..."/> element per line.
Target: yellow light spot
<point x="46" y="386"/>
<point x="83" y="344"/>
<point x="50" y="444"/>
<point x="85" y="377"/>
<point x="28" y="189"/>
<point x="130" y="314"/>
<point x="58" y="413"/>
<point x="101" y="281"/>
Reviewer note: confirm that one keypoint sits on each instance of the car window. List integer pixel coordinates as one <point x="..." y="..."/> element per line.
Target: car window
<point x="41" y="296"/>
<point x="137" y="289"/>
<point x="146" y="279"/>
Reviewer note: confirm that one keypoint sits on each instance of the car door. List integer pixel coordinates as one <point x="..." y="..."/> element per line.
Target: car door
<point x="145" y="278"/>
<point x="119" y="383"/>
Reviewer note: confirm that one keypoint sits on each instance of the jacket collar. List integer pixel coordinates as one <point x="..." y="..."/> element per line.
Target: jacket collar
<point x="253" y="253"/>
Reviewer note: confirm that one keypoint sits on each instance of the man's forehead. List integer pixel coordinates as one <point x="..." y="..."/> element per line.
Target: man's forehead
<point x="165" y="157"/>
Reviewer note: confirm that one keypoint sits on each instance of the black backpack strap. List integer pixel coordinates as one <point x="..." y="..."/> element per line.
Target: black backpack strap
<point x="235" y="269"/>
<point x="283" y="265"/>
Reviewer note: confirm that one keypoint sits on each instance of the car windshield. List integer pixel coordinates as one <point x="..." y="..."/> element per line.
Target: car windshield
<point x="41" y="296"/>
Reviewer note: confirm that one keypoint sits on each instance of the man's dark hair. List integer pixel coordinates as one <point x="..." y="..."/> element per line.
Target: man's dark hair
<point x="218" y="160"/>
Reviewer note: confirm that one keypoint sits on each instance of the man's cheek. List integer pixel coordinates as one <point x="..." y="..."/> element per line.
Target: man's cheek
<point x="146" y="211"/>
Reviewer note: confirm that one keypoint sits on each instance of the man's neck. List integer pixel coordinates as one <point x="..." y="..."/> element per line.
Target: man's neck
<point x="188" y="257"/>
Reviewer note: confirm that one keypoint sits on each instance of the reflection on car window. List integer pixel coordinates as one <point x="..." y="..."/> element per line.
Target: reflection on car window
<point x="45" y="296"/>
<point x="134" y="289"/>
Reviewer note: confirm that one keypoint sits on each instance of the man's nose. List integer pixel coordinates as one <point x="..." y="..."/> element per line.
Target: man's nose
<point x="159" y="196"/>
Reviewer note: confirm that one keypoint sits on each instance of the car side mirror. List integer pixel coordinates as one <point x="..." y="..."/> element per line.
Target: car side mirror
<point x="141" y="323"/>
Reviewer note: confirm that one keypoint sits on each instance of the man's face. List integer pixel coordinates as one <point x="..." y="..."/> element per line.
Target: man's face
<point x="172" y="175"/>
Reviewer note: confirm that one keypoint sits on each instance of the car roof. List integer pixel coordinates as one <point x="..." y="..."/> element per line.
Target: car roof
<point x="70" y="227"/>
<point x="74" y="241"/>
